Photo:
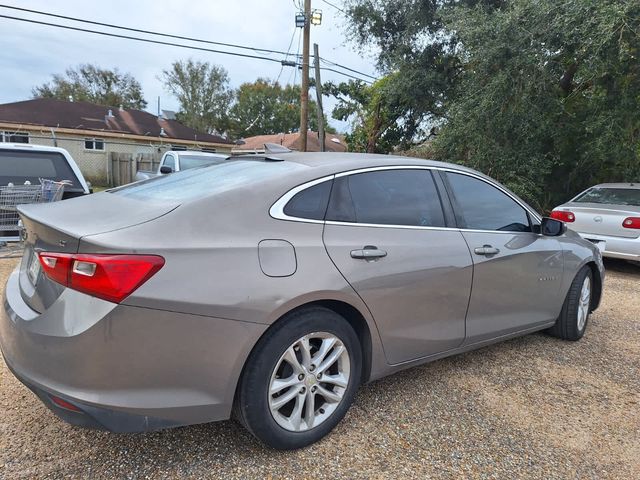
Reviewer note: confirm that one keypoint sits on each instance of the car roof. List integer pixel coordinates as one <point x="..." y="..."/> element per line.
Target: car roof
<point x="30" y="147"/>
<point x="327" y="163"/>
<point x="618" y="185"/>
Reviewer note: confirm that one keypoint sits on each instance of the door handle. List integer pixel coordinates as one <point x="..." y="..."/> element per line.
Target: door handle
<point x="369" y="252"/>
<point x="486" y="250"/>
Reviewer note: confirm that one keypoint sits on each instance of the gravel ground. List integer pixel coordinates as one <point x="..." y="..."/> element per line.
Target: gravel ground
<point x="533" y="407"/>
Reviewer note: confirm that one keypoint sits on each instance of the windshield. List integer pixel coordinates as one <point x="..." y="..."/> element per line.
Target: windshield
<point x="195" y="161"/>
<point x="611" y="196"/>
<point x="195" y="183"/>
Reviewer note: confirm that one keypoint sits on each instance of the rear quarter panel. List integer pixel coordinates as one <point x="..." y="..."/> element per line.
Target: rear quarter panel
<point x="212" y="264"/>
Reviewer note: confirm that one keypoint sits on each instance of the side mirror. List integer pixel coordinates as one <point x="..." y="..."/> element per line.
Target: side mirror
<point x="550" y="227"/>
<point x="165" y="169"/>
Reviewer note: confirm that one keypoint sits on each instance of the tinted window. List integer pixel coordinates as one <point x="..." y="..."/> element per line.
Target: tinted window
<point x="484" y="207"/>
<point x="195" y="161"/>
<point x="611" y="196"/>
<point x="169" y="161"/>
<point x="18" y="167"/>
<point x="388" y="197"/>
<point x="197" y="183"/>
<point x="310" y="203"/>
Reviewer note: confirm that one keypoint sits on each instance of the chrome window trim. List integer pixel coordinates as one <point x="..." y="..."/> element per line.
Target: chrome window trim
<point x="277" y="209"/>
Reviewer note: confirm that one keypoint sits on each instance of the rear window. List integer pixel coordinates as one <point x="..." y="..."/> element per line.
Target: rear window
<point x="611" y="196"/>
<point x="18" y="167"/>
<point x="191" y="184"/>
<point x="195" y="161"/>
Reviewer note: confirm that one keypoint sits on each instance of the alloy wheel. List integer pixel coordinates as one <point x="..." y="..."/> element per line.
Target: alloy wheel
<point x="309" y="381"/>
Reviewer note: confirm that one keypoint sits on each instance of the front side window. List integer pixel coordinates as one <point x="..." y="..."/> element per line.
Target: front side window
<point x="93" y="144"/>
<point x="387" y="197"/>
<point x="484" y="207"/>
<point x="169" y="161"/>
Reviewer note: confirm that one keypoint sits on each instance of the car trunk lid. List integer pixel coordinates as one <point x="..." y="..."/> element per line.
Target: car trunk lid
<point x="60" y="226"/>
<point x="592" y="218"/>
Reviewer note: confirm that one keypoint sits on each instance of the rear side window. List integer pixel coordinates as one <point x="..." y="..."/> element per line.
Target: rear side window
<point x="311" y="203"/>
<point x="484" y="207"/>
<point x="193" y="161"/>
<point x="387" y="197"/>
<point x="18" y="167"/>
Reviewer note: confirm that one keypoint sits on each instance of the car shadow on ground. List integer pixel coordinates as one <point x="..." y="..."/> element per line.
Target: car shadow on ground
<point x="621" y="266"/>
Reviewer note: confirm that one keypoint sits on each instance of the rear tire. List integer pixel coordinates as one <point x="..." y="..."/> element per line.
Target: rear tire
<point x="574" y="316"/>
<point x="300" y="379"/>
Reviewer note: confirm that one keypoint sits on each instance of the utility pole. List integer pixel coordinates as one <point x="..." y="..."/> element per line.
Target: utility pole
<point x="304" y="94"/>
<point x="319" y="97"/>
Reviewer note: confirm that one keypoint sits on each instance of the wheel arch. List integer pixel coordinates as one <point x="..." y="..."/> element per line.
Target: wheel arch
<point x="597" y="284"/>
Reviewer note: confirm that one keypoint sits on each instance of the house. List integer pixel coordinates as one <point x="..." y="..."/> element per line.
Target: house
<point x="92" y="132"/>
<point x="333" y="142"/>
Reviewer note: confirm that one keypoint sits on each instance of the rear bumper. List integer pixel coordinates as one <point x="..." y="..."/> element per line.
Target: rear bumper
<point x="126" y="368"/>
<point x="617" y="247"/>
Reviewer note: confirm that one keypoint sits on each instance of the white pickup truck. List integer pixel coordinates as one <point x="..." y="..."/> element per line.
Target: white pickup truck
<point x="176" y="161"/>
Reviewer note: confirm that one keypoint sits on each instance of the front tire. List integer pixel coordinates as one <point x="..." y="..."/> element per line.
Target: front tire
<point x="573" y="319"/>
<point x="301" y="379"/>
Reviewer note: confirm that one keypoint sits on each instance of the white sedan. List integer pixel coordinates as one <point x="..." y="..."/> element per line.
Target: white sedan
<point x="608" y="215"/>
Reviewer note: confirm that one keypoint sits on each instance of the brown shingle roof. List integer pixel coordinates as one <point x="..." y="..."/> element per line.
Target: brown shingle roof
<point x="51" y="112"/>
<point x="292" y="141"/>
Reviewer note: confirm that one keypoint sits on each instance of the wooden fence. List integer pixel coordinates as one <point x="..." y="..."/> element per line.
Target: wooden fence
<point x="123" y="166"/>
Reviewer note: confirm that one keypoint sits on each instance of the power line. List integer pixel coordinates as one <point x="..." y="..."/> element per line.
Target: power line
<point x="287" y="55"/>
<point x="146" y="40"/>
<point x="161" y="34"/>
<point x="149" y="32"/>
<point x="295" y="70"/>
<point x="347" y="68"/>
<point x="346" y="75"/>
<point x="334" y="6"/>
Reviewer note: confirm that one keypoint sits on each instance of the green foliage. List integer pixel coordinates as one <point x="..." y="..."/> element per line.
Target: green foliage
<point x="375" y="111"/>
<point x="549" y="96"/>
<point x="544" y="95"/>
<point x="91" y="83"/>
<point x="202" y="89"/>
<point x="264" y="108"/>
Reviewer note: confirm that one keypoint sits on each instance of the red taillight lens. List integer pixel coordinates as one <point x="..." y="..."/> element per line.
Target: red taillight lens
<point x="563" y="216"/>
<point x="631" y="222"/>
<point x="110" y="277"/>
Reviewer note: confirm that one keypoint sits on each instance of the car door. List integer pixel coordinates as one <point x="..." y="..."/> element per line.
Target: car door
<point x="517" y="273"/>
<point x="386" y="233"/>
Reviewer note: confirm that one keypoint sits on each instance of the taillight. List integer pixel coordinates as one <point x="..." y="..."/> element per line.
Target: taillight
<point x="631" y="222"/>
<point x="110" y="277"/>
<point x="563" y="216"/>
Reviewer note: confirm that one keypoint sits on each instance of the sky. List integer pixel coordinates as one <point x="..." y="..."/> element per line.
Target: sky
<point x="30" y="53"/>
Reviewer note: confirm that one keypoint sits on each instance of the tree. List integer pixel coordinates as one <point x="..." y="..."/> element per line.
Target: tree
<point x="416" y="46"/>
<point x="548" y="96"/>
<point x="265" y="108"/>
<point x="541" y="94"/>
<point x="91" y="83"/>
<point x="375" y="111"/>
<point x="202" y="89"/>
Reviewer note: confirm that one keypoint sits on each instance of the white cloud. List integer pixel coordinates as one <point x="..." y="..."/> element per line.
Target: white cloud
<point x="31" y="53"/>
